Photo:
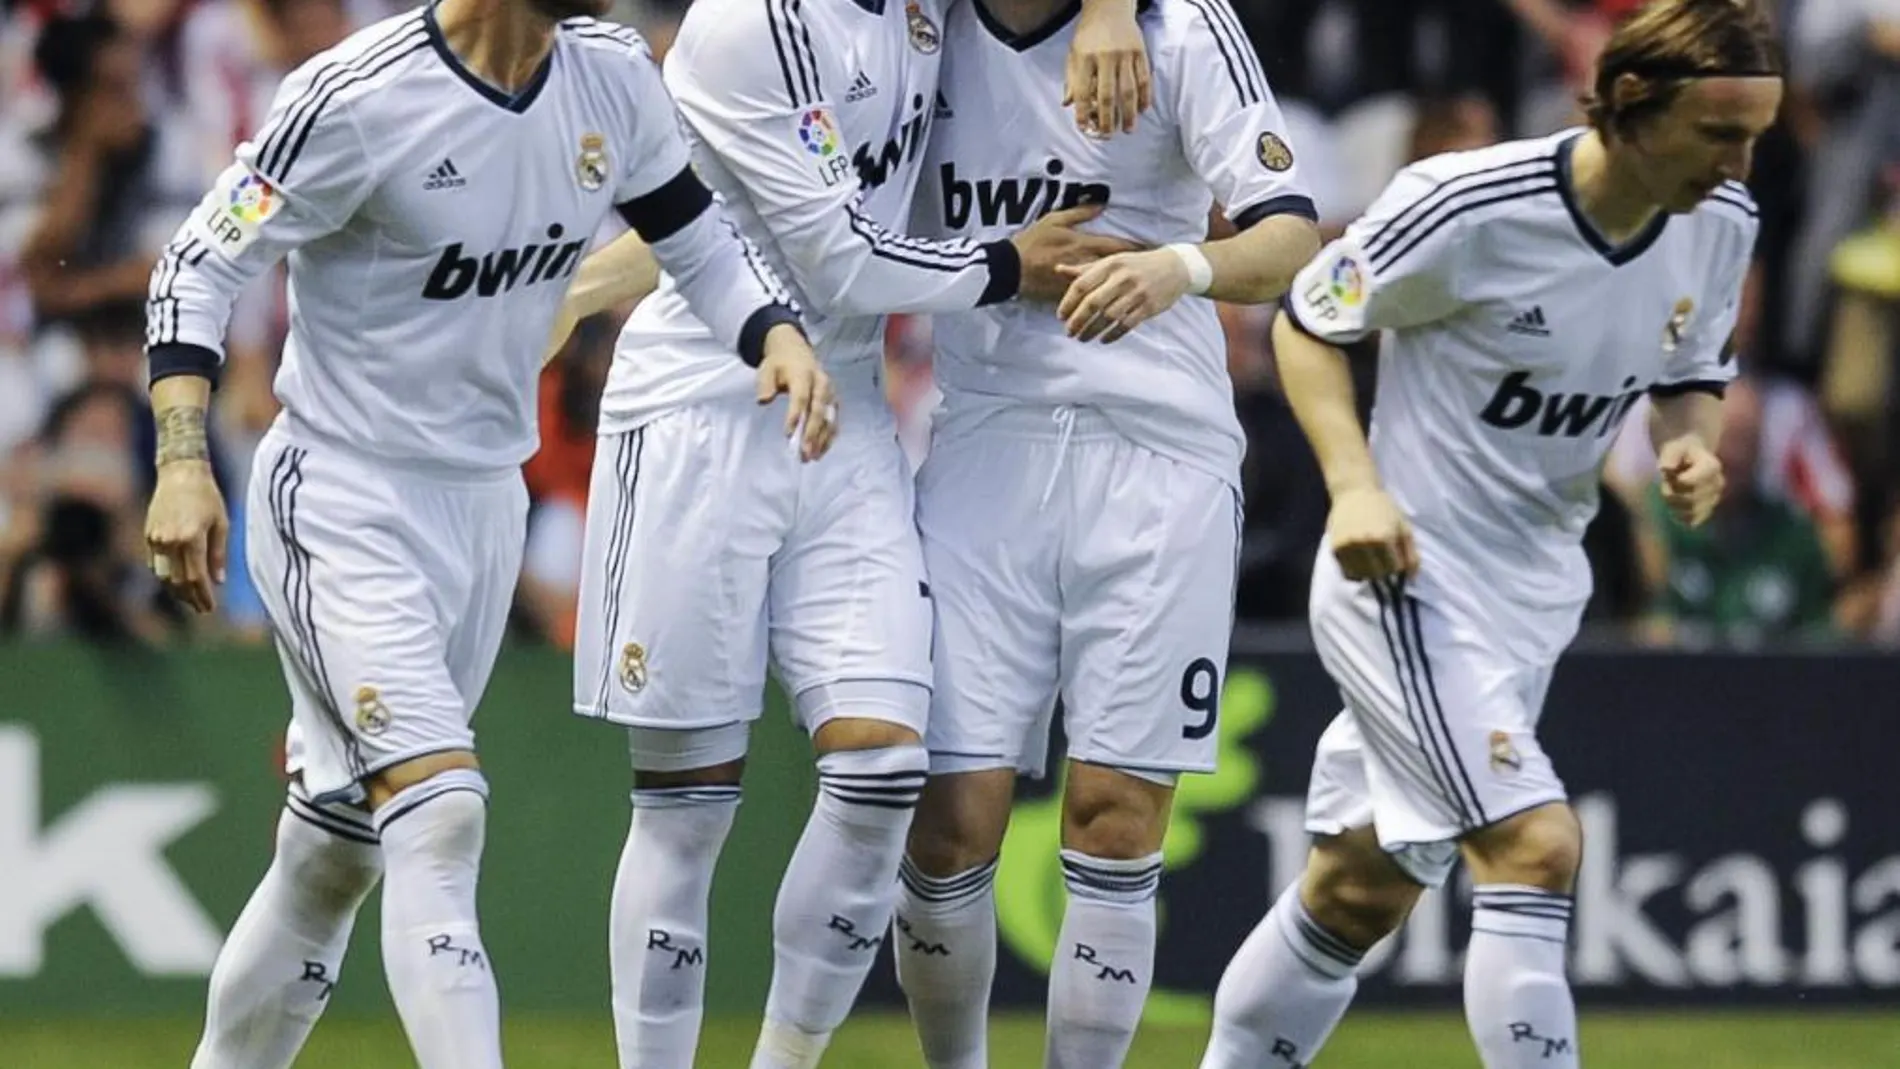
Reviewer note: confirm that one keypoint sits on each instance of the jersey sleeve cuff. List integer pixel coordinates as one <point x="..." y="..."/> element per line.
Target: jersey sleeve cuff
<point x="183" y="358"/>
<point x="1712" y="387"/>
<point x="1006" y="272"/>
<point x="757" y="326"/>
<point x="1292" y="204"/>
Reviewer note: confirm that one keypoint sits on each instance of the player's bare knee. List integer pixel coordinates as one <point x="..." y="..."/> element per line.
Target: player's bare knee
<point x="727" y="774"/>
<point x="852" y="733"/>
<point x="960" y="821"/>
<point x="1539" y="848"/>
<point x="1354" y="890"/>
<point x="864" y="714"/>
<point x="397" y="778"/>
<point x="1109" y="813"/>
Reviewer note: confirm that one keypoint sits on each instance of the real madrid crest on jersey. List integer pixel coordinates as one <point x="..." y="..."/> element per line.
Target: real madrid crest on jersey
<point x="1678" y="325"/>
<point x="923" y="32"/>
<point x="590" y="168"/>
<point x="1273" y="152"/>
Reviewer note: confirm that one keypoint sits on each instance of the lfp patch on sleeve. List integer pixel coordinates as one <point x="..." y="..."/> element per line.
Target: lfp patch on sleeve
<point x="233" y="216"/>
<point x="821" y="142"/>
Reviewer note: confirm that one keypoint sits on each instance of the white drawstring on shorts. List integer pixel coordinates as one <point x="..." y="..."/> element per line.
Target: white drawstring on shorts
<point x="1064" y="415"/>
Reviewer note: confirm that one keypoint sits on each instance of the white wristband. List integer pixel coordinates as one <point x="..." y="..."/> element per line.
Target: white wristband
<point x="1200" y="272"/>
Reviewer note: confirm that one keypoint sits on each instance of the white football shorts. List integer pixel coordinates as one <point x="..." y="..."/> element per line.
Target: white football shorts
<point x="1068" y="561"/>
<point x="388" y="593"/>
<point x="1439" y="734"/>
<point x="712" y="551"/>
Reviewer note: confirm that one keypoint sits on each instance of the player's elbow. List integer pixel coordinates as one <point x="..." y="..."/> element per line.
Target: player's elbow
<point x="829" y="286"/>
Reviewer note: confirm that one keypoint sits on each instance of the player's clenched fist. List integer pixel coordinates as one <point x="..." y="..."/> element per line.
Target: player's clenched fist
<point x="186" y="530"/>
<point x="1370" y="536"/>
<point x="791" y="368"/>
<point x="1115" y="295"/>
<point x="1692" y="479"/>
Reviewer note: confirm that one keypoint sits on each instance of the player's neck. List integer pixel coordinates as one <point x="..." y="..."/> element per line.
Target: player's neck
<point x="503" y="42"/>
<point x="1023" y="17"/>
<point x="1610" y="194"/>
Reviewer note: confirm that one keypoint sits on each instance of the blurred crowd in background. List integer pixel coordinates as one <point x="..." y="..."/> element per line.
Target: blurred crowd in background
<point x="115" y="115"/>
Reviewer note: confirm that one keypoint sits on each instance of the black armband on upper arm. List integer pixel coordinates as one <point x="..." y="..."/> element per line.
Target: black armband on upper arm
<point x="667" y="210"/>
<point x="1677" y="389"/>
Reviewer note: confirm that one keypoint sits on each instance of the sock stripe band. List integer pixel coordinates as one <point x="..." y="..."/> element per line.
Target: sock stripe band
<point x="671" y="797"/>
<point x="1325" y="942"/>
<point x="884" y="790"/>
<point x="1502" y="934"/>
<point x="322" y="821"/>
<point x="929" y="888"/>
<point x="1129" y="881"/>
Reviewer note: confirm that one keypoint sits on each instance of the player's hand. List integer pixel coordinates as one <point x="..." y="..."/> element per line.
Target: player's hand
<point x="186" y="529"/>
<point x="791" y="368"/>
<point x="1116" y="294"/>
<point x="1108" y="81"/>
<point x="1692" y="480"/>
<point x="1370" y="537"/>
<point x="1053" y="242"/>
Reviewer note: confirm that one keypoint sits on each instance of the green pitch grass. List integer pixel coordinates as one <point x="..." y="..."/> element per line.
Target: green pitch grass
<point x="1818" y="1040"/>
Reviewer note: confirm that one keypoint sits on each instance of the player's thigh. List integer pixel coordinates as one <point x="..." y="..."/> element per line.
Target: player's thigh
<point x="991" y="555"/>
<point x="1340" y="815"/>
<point x="1449" y="745"/>
<point x="1148" y="593"/>
<point x="359" y="619"/>
<point x="848" y="597"/>
<point x="683" y="516"/>
<point x="496" y="518"/>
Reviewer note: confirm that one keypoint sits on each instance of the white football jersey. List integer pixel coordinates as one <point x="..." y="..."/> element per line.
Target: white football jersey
<point x="432" y="225"/>
<point x="1516" y="340"/>
<point x="1005" y="152"/>
<point x="809" y="119"/>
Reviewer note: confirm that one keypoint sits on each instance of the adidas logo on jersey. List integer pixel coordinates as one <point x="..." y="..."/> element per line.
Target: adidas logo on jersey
<point x="1530" y="323"/>
<point x="1518" y="404"/>
<point x="1012" y="201"/>
<point x="861" y="89"/>
<point x="941" y="109"/>
<point x="498" y="272"/>
<point x="445" y="176"/>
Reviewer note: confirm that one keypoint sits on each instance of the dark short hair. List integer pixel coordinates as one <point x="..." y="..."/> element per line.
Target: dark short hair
<point x="1670" y="43"/>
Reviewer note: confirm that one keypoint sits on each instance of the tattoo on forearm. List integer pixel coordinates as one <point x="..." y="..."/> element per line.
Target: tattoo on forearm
<point x="181" y="435"/>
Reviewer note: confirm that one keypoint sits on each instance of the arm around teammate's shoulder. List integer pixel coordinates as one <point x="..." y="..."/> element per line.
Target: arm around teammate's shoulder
<point x="775" y="129"/>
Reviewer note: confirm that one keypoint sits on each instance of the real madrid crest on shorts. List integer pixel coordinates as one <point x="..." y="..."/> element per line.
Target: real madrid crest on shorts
<point x="1678" y="324"/>
<point x="372" y="716"/>
<point x="591" y="166"/>
<point x="633" y="667"/>
<point x="1504" y="755"/>
<point x="1273" y="152"/>
<point x="923" y="32"/>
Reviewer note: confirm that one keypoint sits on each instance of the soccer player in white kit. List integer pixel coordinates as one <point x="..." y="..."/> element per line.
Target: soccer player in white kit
<point x="1529" y="293"/>
<point x="1080" y="506"/>
<point x="711" y="551"/>
<point x="434" y="181"/>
